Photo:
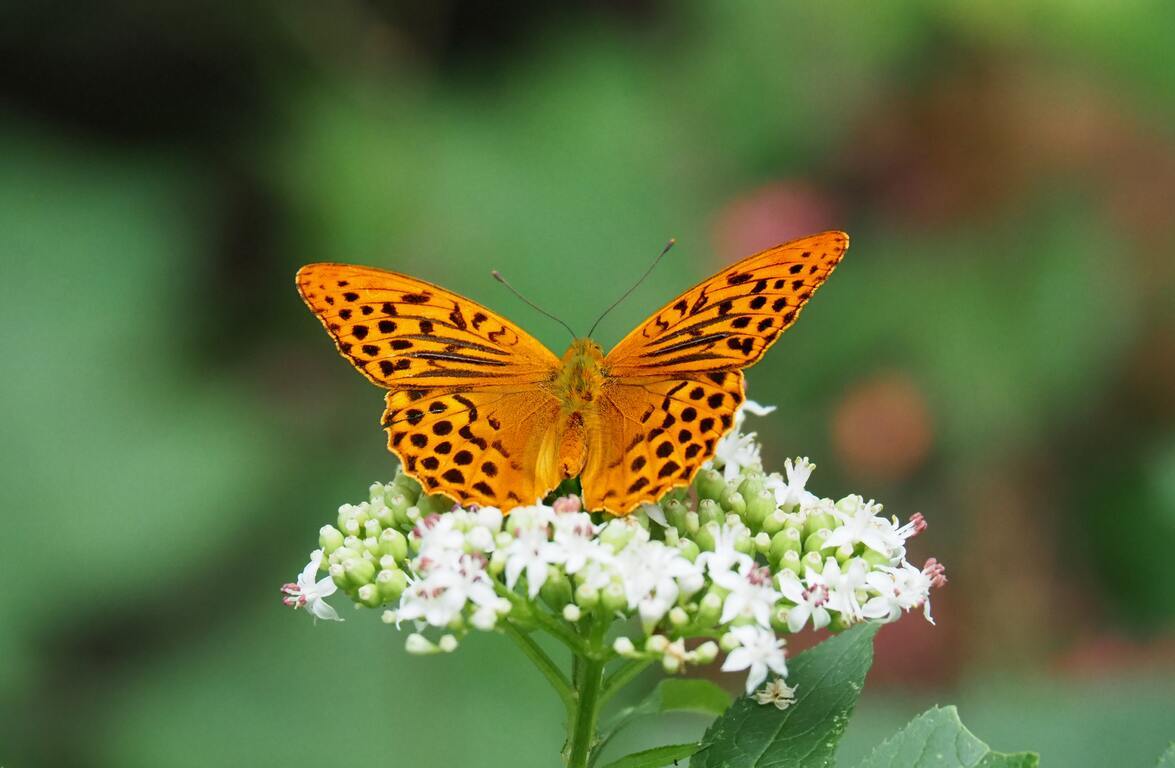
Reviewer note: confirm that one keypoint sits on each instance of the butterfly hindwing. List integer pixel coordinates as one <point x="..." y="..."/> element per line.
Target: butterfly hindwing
<point x="489" y="446"/>
<point x="730" y="320"/>
<point x="400" y="331"/>
<point x="653" y="435"/>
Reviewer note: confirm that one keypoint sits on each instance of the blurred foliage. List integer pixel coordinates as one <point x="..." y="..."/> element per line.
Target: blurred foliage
<point x="996" y="350"/>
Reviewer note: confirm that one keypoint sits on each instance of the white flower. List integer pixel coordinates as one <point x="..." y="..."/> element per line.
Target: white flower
<point x="790" y="493"/>
<point x="777" y="692"/>
<point x="899" y="590"/>
<point x="650" y="571"/>
<point x="861" y="525"/>
<point x="750" y="594"/>
<point x="311" y="595"/>
<point x="575" y="535"/>
<point x="725" y="557"/>
<point x="440" y="596"/>
<point x="809" y="600"/>
<point x="736" y="450"/>
<point x="758" y="651"/>
<point x="531" y="551"/>
<point x="842" y="586"/>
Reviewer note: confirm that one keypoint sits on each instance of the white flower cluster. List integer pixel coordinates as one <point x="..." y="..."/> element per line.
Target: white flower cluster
<point x="740" y="557"/>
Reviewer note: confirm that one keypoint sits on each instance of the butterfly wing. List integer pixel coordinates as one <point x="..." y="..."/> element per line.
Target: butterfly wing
<point x="468" y="412"/>
<point x="730" y="320"/>
<point x="652" y="435"/>
<point x="494" y="446"/>
<point x="674" y="383"/>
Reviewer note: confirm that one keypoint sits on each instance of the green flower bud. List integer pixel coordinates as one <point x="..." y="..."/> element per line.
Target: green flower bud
<point x="818" y="521"/>
<point x="671" y="664"/>
<point x="394" y="543"/>
<point x="762" y="542"/>
<point x="745" y="544"/>
<point x="349" y="550"/>
<point x="556" y="590"/>
<point x="815" y="542"/>
<point x="779" y="619"/>
<point x="752" y="485"/>
<point x="678" y="617"/>
<point x="330" y="539"/>
<point x="688" y="549"/>
<point x="759" y="506"/>
<point x="623" y="646"/>
<point x="368" y="595"/>
<point x="710" y="484"/>
<point x="399" y="504"/>
<point x="656" y="644"/>
<point x="447" y="643"/>
<point x="839" y="623"/>
<point x="391" y="584"/>
<point x="572" y="613"/>
<point x="587" y="597"/>
<point x="843" y="553"/>
<point x="339" y="577"/>
<point x="728" y="642"/>
<point x="774" y="522"/>
<point x="707" y="536"/>
<point x="403" y="486"/>
<point x="613" y="598"/>
<point x="813" y="560"/>
<point x="419" y="645"/>
<point x="434" y="504"/>
<point x="733" y="501"/>
<point x="675" y="513"/>
<point x="616" y="535"/>
<point x="709" y="609"/>
<point x="692" y="523"/>
<point x="709" y="511"/>
<point x="873" y="558"/>
<point x="359" y="571"/>
<point x="790" y="561"/>
<point x="383" y="514"/>
<point x="706" y="652"/>
<point x="497" y="563"/>
<point x="787" y="540"/>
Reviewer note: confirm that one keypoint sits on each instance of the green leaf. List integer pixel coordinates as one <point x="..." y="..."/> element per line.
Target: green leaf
<point x="656" y="757"/>
<point x="828" y="680"/>
<point x="678" y="695"/>
<point x="1167" y="759"/>
<point x="937" y="739"/>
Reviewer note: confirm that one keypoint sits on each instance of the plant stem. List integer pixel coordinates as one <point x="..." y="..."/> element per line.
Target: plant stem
<point x="589" y="685"/>
<point x="622" y="677"/>
<point x="541" y="660"/>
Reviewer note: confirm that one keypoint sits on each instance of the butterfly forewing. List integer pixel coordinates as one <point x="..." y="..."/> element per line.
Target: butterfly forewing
<point x="728" y="321"/>
<point x="400" y="331"/>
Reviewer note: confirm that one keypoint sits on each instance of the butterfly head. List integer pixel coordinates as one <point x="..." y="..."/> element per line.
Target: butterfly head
<point x="580" y="374"/>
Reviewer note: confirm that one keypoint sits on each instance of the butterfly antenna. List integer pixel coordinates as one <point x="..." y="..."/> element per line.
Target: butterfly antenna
<point x="498" y="276"/>
<point x="648" y="271"/>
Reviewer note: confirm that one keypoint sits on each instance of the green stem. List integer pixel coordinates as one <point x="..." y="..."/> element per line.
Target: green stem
<point x="589" y="686"/>
<point x="541" y="660"/>
<point x="557" y="628"/>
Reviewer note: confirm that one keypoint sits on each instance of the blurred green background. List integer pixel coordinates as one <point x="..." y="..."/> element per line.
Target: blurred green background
<point x="997" y="350"/>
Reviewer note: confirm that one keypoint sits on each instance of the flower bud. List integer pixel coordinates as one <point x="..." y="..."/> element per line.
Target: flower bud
<point x="391" y="584"/>
<point x="762" y="542"/>
<point x="368" y="595"/>
<point x="818" y="521"/>
<point x="873" y="558"/>
<point x="330" y="539"/>
<point x="339" y="577"/>
<point x="759" y="506"/>
<point x="617" y="534"/>
<point x="656" y="644"/>
<point x="613" y="598"/>
<point x="434" y="504"/>
<point x="497" y="562"/>
<point x="710" y="484"/>
<point x="728" y="642"/>
<point x="706" y="652"/>
<point x="586" y="597"/>
<point x="671" y="664"/>
<point x="709" y="609"/>
<point x="752" y="485"/>
<point x="733" y="501"/>
<point x="623" y="646"/>
<point x="815" y="542"/>
<point x="359" y="571"/>
<point x="843" y="553"/>
<point x="678" y="617"/>
<point x="707" y="536"/>
<point x="692" y="523"/>
<point x="388" y="617"/>
<point x="382" y="513"/>
<point x="709" y="511"/>
<point x="419" y="645"/>
<point x="813" y="560"/>
<point x="787" y="540"/>
<point x="399" y="504"/>
<point x="790" y="561"/>
<point x="688" y="549"/>
<point x="405" y="486"/>
<point x="556" y="590"/>
<point x="675" y="513"/>
<point x="571" y="613"/>
<point x="394" y="543"/>
<point x="774" y="522"/>
<point x="448" y="643"/>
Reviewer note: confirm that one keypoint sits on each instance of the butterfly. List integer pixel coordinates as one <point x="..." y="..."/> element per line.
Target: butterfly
<point x="480" y="411"/>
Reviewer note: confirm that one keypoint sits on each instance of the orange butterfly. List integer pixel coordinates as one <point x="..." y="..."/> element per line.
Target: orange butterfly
<point x="482" y="412"/>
